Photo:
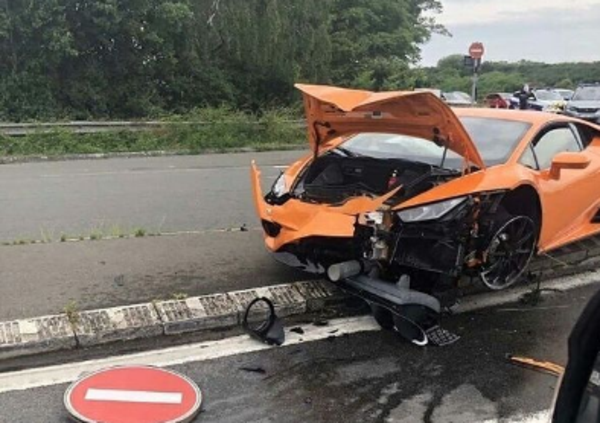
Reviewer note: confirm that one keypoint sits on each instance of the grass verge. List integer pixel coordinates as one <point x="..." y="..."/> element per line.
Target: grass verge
<point x="200" y="131"/>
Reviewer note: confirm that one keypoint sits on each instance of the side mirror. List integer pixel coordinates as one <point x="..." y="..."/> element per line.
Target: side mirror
<point x="567" y="160"/>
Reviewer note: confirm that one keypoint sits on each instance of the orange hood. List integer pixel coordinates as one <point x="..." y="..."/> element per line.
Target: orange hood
<point x="333" y="112"/>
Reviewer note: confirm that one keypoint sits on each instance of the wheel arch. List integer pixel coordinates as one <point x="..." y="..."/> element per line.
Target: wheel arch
<point x="524" y="200"/>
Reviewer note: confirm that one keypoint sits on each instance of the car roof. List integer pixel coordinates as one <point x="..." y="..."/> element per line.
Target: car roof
<point x="533" y="117"/>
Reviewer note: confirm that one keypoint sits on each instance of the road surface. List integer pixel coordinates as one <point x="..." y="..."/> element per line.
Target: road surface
<point x="45" y="200"/>
<point x="111" y="197"/>
<point x="372" y="376"/>
<point x="43" y="278"/>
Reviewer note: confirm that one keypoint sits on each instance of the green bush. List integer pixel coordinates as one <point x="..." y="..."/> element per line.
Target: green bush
<point x="216" y="129"/>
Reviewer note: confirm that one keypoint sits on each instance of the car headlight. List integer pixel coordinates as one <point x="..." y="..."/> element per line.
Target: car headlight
<point x="280" y="188"/>
<point x="430" y="211"/>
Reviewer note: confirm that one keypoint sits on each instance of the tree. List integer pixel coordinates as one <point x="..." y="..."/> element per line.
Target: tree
<point x="370" y="33"/>
<point x="137" y="58"/>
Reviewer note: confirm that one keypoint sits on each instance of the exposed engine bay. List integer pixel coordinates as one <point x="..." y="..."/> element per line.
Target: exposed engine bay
<point x="334" y="178"/>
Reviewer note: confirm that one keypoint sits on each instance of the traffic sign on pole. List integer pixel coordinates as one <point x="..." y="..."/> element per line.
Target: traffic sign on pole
<point x="133" y="394"/>
<point x="476" y="50"/>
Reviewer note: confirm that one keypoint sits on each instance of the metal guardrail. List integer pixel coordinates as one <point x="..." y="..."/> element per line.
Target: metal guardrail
<point x="91" y="127"/>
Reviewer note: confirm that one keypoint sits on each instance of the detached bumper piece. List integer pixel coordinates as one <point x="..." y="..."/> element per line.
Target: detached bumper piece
<point x="413" y="314"/>
<point x="441" y="337"/>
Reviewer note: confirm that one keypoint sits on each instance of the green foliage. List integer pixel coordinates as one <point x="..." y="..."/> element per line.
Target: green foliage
<point x="374" y="41"/>
<point x="451" y="75"/>
<point x="215" y="129"/>
<point x="82" y="59"/>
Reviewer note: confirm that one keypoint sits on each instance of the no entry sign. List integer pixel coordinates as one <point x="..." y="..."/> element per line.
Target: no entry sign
<point x="476" y="50"/>
<point x="133" y="394"/>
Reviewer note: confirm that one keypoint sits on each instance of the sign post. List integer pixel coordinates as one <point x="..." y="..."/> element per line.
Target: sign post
<point x="476" y="51"/>
<point x="137" y="394"/>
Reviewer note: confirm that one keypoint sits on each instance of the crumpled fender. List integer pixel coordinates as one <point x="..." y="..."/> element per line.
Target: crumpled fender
<point x="257" y="193"/>
<point x="492" y="179"/>
<point x="364" y="204"/>
<point x="301" y="220"/>
<point x="353" y="207"/>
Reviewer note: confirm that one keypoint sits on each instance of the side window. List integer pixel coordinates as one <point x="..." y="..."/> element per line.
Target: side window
<point x="587" y="134"/>
<point x="528" y="158"/>
<point x="553" y="142"/>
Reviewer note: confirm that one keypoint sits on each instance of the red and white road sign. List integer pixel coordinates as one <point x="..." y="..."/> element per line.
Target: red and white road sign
<point x="476" y="50"/>
<point x="133" y="394"/>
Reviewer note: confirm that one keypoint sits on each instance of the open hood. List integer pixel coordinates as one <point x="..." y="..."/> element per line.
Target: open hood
<point x="332" y="112"/>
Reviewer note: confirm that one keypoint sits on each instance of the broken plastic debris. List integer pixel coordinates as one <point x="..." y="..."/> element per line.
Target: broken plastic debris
<point x="542" y="366"/>
<point x="268" y="329"/>
<point x="441" y="337"/>
<point x="320" y="322"/>
<point x="254" y="370"/>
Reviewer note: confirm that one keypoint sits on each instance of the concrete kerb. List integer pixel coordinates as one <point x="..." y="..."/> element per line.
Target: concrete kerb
<point x="215" y="311"/>
<point x="35" y="335"/>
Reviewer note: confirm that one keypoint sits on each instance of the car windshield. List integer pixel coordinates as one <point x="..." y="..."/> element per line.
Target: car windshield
<point x="587" y="94"/>
<point x="461" y="95"/>
<point x="548" y="95"/>
<point x="495" y="139"/>
<point x="564" y="93"/>
<point x="453" y="97"/>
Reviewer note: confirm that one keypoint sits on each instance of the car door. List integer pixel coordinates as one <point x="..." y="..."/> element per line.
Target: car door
<point x="566" y="200"/>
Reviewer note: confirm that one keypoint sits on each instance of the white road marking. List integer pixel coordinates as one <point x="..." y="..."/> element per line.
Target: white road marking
<point x="146" y="397"/>
<point x="281" y="167"/>
<point x="210" y="350"/>
<point x="540" y="417"/>
<point x="203" y="351"/>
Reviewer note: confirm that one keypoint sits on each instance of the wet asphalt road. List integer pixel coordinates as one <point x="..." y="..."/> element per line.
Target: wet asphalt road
<point x="363" y="377"/>
<point x="111" y="197"/>
<point x="374" y="377"/>
<point x="42" y="200"/>
<point x="43" y="278"/>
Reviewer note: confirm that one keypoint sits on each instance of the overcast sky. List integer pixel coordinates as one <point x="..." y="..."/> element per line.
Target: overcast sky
<point x="541" y="30"/>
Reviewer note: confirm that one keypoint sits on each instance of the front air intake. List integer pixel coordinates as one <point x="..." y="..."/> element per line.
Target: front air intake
<point x="270" y="228"/>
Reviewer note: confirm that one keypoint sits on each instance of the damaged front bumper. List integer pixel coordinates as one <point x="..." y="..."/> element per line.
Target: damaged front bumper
<point x="289" y="223"/>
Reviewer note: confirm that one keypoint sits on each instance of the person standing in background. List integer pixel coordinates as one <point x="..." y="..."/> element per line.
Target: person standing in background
<point x="523" y="96"/>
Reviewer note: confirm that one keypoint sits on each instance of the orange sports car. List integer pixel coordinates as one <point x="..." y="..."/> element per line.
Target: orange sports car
<point x="401" y="196"/>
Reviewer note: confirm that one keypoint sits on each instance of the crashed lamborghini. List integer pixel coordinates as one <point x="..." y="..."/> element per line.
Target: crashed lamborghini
<point x="402" y="199"/>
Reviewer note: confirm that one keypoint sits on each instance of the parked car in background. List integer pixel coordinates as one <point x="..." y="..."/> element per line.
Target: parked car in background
<point x="542" y="100"/>
<point x="498" y="101"/>
<point x="434" y="91"/>
<point x="564" y="93"/>
<point x="547" y="101"/>
<point x="457" y="99"/>
<point x="585" y="103"/>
